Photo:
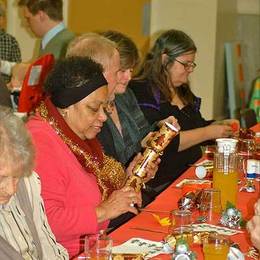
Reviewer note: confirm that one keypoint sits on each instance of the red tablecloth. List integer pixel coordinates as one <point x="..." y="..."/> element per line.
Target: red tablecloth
<point x="167" y="201"/>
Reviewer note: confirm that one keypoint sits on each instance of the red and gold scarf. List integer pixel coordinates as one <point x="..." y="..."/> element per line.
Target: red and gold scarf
<point x="109" y="173"/>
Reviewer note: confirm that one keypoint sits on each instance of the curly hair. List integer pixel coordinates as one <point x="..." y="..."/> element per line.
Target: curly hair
<point x="53" y="8"/>
<point x="71" y="72"/>
<point x="173" y="43"/>
<point x="129" y="55"/>
<point x="17" y="151"/>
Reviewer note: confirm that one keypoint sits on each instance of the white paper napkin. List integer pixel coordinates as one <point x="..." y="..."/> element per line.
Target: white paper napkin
<point x="146" y="247"/>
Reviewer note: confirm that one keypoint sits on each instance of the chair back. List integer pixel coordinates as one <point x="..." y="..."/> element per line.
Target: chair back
<point x="247" y="118"/>
<point x="32" y="89"/>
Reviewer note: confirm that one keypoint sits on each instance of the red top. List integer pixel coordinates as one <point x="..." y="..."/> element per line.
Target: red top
<point x="70" y="194"/>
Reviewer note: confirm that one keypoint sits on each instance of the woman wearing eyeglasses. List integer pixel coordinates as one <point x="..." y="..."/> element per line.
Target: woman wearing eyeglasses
<point x="162" y="89"/>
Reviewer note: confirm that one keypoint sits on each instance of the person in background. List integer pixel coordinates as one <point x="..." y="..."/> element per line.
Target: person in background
<point x="126" y="126"/>
<point x="45" y="20"/>
<point x="9" y="48"/>
<point x="253" y="226"/>
<point x="162" y="89"/>
<point x="83" y="189"/>
<point x="24" y="229"/>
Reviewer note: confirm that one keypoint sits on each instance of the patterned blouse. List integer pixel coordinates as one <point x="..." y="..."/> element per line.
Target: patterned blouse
<point x="14" y="228"/>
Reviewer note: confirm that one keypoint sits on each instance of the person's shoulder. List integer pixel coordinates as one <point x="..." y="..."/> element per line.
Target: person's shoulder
<point x="66" y="34"/>
<point x="8" y="36"/>
<point x="136" y="83"/>
<point x="39" y="127"/>
<point x="141" y="88"/>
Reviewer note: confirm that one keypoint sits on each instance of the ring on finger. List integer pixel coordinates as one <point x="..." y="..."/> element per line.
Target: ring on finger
<point x="132" y="204"/>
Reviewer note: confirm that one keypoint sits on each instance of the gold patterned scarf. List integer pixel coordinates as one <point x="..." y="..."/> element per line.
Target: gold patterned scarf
<point x="110" y="173"/>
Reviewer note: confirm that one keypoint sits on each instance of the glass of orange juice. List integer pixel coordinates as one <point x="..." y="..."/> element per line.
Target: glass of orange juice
<point x="216" y="247"/>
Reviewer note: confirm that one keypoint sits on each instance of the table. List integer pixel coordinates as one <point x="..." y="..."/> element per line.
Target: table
<point x="167" y="201"/>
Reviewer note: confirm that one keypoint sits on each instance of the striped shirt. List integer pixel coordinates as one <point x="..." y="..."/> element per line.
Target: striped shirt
<point x="14" y="228"/>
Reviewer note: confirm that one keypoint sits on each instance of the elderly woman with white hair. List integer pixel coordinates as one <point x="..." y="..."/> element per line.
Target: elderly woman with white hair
<point x="24" y="229"/>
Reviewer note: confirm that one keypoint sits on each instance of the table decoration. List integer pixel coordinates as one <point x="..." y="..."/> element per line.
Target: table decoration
<point x="232" y="217"/>
<point x="190" y="237"/>
<point x="194" y="181"/>
<point x="182" y="251"/>
<point x="165" y="221"/>
<point x="147" y="248"/>
<point x="204" y="227"/>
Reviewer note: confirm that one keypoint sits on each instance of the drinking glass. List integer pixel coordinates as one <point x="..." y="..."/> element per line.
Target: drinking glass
<point x="98" y="246"/>
<point x="246" y="150"/>
<point x="216" y="247"/>
<point x="181" y="221"/>
<point x="210" y="205"/>
<point x="209" y="152"/>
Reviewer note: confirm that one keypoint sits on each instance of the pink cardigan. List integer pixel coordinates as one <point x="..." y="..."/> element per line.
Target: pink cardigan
<point x="70" y="194"/>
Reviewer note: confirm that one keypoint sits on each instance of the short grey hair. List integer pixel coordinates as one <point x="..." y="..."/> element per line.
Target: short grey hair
<point x="17" y="151"/>
<point x="94" y="46"/>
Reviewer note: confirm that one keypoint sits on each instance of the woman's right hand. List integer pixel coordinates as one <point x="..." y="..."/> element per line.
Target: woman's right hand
<point x="119" y="202"/>
<point x="214" y="131"/>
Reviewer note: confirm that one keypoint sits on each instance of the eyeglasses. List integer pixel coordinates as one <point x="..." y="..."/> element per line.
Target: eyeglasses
<point x="187" y="65"/>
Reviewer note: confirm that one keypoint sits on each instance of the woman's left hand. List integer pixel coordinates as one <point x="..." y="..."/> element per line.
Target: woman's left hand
<point x="151" y="168"/>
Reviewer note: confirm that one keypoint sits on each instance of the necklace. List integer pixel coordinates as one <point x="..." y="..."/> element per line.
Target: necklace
<point x="110" y="174"/>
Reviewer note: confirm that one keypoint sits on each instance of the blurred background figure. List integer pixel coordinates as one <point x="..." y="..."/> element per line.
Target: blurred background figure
<point x="45" y="20"/>
<point x="9" y="48"/>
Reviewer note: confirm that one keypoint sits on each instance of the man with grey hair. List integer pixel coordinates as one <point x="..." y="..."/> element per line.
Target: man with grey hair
<point x="101" y="50"/>
<point x="24" y="230"/>
<point x="9" y="48"/>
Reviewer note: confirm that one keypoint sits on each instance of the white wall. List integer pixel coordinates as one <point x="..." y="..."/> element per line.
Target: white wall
<point x="248" y="6"/>
<point x="226" y="29"/>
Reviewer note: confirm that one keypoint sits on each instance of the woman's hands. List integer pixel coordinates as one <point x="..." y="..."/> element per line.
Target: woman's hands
<point x="218" y="129"/>
<point x="150" y="169"/>
<point x="227" y="127"/>
<point x="253" y="226"/>
<point x="119" y="202"/>
<point x="214" y="131"/>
